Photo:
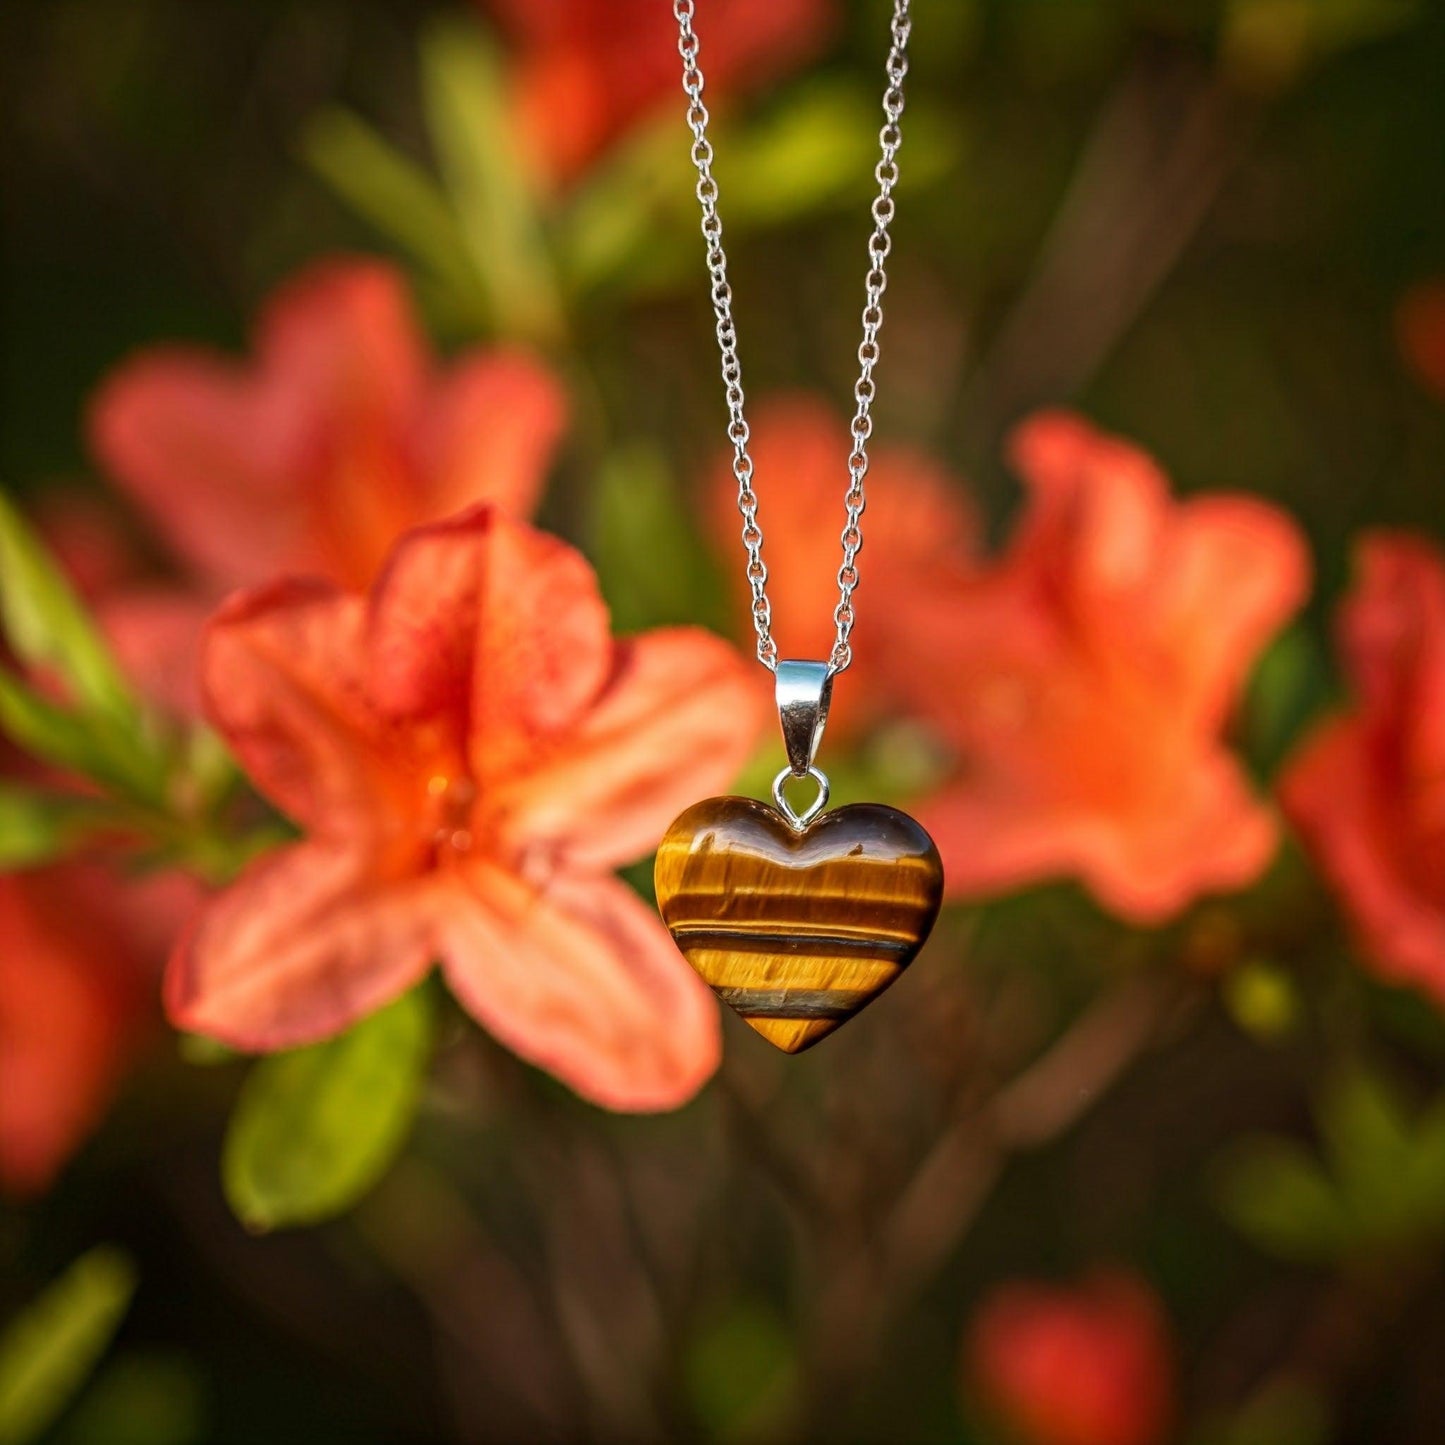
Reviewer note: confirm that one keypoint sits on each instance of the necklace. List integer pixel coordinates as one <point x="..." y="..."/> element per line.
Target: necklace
<point x="798" y="919"/>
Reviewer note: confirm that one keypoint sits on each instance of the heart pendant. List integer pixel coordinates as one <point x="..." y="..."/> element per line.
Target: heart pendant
<point x="797" y="927"/>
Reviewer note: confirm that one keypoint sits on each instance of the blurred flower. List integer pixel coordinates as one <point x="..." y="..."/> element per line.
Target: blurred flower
<point x="1420" y="327"/>
<point x="84" y="944"/>
<point x="155" y="633"/>
<point x="78" y="993"/>
<point x="589" y="70"/>
<point x="1367" y="790"/>
<point x="1084" y="680"/>
<point x="153" y="624"/>
<point x="918" y="521"/>
<point x="89" y="537"/>
<point x="341" y="435"/>
<point x="470" y="753"/>
<point x="1089" y="1365"/>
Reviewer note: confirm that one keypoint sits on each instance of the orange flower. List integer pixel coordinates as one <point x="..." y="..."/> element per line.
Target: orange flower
<point x="83" y="944"/>
<point x="1085" y="679"/>
<point x="918" y="522"/>
<point x="1367" y="790"/>
<point x="90" y="539"/>
<point x="340" y="436"/>
<point x="589" y="70"/>
<point x="1091" y="1365"/>
<point x="155" y="633"/>
<point x="78" y="986"/>
<point x="1420" y="328"/>
<point x="470" y="753"/>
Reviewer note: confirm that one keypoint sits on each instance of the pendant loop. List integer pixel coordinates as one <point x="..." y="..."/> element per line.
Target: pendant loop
<point x="803" y="691"/>
<point x="796" y="820"/>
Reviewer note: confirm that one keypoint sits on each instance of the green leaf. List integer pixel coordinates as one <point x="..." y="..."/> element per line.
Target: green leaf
<point x="1391" y="1166"/>
<point x="802" y="156"/>
<point x="1289" y="684"/>
<point x="1275" y="1192"/>
<point x="818" y="148"/>
<point x="1272" y="41"/>
<point x="1423" y="1181"/>
<point x="634" y="223"/>
<point x="103" y="732"/>
<point x="205" y="1053"/>
<point x="121" y="760"/>
<point x="1288" y="1413"/>
<point x="1385" y="1187"/>
<point x="464" y="90"/>
<point x="36" y="827"/>
<point x="634" y="214"/>
<point x="741" y="1373"/>
<point x="1367" y="1140"/>
<point x="47" y="1354"/>
<point x="398" y="198"/>
<point x="653" y="566"/>
<point x="315" y="1128"/>
<point x="48" y="627"/>
<point x="140" y="1399"/>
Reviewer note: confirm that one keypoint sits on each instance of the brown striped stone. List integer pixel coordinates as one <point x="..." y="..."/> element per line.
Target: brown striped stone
<point x="797" y="930"/>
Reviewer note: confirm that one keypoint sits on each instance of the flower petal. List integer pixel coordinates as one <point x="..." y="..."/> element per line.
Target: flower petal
<point x="249" y="469"/>
<point x="1335" y="803"/>
<point x="678" y="719"/>
<point x="341" y="337"/>
<point x="68" y="1017"/>
<point x="1367" y="790"/>
<point x="1392" y="637"/>
<point x="920" y="522"/>
<point x="583" y="981"/>
<point x="1144" y="864"/>
<point x="1236" y="571"/>
<point x="1191" y="593"/>
<point x="1097" y="514"/>
<point x="79" y="987"/>
<point x="488" y="433"/>
<point x="483" y="619"/>
<point x="307" y="941"/>
<point x="281" y="674"/>
<point x="1090" y="1364"/>
<point x="156" y="634"/>
<point x="202" y="452"/>
<point x="1420" y="332"/>
<point x="587" y="72"/>
<point x="340" y="347"/>
<point x="1084" y="681"/>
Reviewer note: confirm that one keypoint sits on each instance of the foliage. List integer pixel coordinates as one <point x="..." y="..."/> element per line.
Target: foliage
<point x="315" y="1128"/>
<point x="1380" y="1186"/>
<point x="47" y="1353"/>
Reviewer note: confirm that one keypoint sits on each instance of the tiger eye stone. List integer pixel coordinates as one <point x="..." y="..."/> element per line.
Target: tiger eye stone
<point x="797" y="930"/>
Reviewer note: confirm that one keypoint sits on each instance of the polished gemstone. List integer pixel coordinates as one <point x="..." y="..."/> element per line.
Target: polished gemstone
<point x="797" y="930"/>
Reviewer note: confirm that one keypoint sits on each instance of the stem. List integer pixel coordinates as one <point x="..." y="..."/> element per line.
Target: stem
<point x="947" y="1190"/>
<point x="758" y="1131"/>
<point x="1353" y="1320"/>
<point x="505" y="1372"/>
<point x="1150" y="170"/>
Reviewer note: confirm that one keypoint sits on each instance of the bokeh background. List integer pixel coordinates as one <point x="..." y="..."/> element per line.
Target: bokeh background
<point x="1080" y="1179"/>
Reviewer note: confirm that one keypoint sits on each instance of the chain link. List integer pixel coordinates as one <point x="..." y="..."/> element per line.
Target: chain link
<point x="890" y="137"/>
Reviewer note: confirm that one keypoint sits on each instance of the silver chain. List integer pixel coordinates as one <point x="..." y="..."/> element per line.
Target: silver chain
<point x="890" y="137"/>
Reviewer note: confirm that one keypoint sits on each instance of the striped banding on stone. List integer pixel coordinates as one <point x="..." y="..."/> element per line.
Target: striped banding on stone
<point x="768" y="941"/>
<point x="797" y="931"/>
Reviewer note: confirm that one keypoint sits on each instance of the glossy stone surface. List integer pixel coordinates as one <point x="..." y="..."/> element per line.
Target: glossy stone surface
<point x="797" y="931"/>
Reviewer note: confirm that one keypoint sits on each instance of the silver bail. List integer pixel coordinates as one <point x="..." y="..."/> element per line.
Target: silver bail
<point x="803" y="691"/>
